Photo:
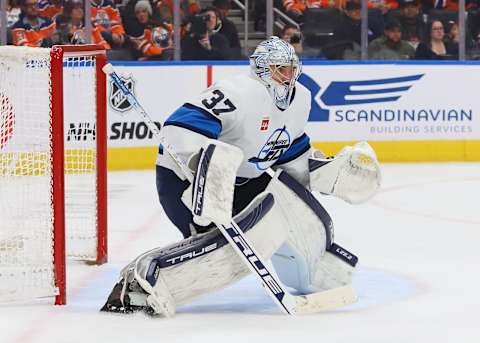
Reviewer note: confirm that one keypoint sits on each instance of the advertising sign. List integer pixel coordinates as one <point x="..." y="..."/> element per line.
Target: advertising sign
<point x="160" y="89"/>
<point x="381" y="103"/>
<point x="393" y="102"/>
<point x="388" y="102"/>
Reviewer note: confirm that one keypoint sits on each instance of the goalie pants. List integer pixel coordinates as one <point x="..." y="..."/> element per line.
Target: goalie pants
<point x="170" y="189"/>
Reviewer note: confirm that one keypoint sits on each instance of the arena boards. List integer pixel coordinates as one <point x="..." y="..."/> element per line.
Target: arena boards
<point x="409" y="111"/>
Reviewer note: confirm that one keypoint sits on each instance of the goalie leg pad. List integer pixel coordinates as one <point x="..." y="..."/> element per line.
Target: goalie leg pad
<point x="335" y="269"/>
<point x="332" y="270"/>
<point x="308" y="261"/>
<point x="213" y="186"/>
<point x="204" y="263"/>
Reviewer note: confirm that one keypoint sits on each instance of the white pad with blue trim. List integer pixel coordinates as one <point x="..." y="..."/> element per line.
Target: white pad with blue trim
<point x="180" y="272"/>
<point x="285" y="219"/>
<point x="214" y="183"/>
<point x="309" y="260"/>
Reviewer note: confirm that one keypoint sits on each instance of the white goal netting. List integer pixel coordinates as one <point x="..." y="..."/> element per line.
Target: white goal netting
<point x="26" y="151"/>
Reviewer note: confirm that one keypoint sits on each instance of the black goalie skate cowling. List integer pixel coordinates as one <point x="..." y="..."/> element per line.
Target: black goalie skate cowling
<point x="115" y="304"/>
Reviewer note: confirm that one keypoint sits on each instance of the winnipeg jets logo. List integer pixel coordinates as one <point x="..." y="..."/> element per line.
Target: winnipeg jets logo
<point x="358" y="92"/>
<point x="118" y="101"/>
<point x="276" y="145"/>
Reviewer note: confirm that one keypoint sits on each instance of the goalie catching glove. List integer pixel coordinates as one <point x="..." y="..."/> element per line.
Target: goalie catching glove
<point x="210" y="196"/>
<point x="352" y="175"/>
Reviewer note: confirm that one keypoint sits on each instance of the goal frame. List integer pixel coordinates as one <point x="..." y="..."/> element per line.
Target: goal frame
<point x="57" y="55"/>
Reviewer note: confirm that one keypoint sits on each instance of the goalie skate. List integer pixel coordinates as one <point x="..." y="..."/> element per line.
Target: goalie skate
<point x="127" y="299"/>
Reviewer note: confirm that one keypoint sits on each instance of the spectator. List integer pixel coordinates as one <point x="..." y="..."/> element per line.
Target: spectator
<point x="296" y="8"/>
<point x="453" y="34"/>
<point x="71" y="29"/>
<point x="435" y="48"/>
<point x="474" y="30"/>
<point x="32" y="29"/>
<point x="128" y="15"/>
<point x="152" y="41"/>
<point x="347" y="33"/>
<point x="413" y="27"/>
<point x="391" y="46"/>
<point x="187" y="8"/>
<point x="50" y="8"/>
<point x="226" y="27"/>
<point x="13" y="12"/>
<point x="13" y="15"/>
<point x="63" y="34"/>
<point x="293" y="35"/>
<point x="106" y="18"/>
<point x="74" y="11"/>
<point x="200" y="43"/>
<point x="139" y="16"/>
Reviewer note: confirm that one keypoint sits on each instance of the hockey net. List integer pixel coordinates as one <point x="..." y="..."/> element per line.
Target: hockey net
<point x="52" y="166"/>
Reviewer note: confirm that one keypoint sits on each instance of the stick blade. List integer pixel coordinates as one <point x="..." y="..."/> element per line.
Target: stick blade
<point x="326" y="300"/>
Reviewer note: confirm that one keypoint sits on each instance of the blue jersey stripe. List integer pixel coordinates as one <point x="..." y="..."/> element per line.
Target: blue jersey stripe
<point x="195" y="119"/>
<point x="299" y="146"/>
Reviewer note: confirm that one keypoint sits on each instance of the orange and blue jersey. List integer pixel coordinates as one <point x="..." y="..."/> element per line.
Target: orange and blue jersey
<point x="146" y="43"/>
<point x="107" y="18"/>
<point x="302" y="5"/>
<point x="78" y="36"/>
<point x="25" y="34"/>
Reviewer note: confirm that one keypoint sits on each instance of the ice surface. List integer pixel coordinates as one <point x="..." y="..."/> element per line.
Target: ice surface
<point x="418" y="279"/>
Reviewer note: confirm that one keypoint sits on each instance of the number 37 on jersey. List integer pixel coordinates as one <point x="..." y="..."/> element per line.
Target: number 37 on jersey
<point x="218" y="103"/>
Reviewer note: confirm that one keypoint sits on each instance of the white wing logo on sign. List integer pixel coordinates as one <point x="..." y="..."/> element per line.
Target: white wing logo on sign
<point x="117" y="100"/>
<point x="357" y="92"/>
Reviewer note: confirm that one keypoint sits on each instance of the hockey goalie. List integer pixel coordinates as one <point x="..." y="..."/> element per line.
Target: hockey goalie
<point x="244" y="141"/>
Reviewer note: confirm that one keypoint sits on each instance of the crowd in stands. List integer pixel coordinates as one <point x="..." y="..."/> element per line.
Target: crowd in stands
<point x="136" y="29"/>
<point x="143" y="29"/>
<point x="397" y="29"/>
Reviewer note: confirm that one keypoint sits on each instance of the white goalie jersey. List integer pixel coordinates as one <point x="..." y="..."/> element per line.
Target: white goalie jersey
<point x="240" y="112"/>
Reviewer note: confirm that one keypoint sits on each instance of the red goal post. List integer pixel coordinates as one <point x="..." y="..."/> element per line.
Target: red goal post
<point x="53" y="170"/>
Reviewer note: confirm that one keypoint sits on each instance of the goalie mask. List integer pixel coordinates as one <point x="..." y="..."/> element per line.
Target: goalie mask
<point x="276" y="64"/>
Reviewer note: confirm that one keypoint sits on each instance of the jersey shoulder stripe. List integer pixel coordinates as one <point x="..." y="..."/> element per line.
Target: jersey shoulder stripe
<point x="195" y="119"/>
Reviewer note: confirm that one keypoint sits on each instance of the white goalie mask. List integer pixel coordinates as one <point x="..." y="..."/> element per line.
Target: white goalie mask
<point x="276" y="64"/>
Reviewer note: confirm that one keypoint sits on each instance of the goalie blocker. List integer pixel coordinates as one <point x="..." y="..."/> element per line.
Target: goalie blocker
<point x="303" y="252"/>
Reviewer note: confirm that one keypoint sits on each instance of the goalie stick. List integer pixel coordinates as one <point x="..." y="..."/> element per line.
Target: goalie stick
<point x="290" y="304"/>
